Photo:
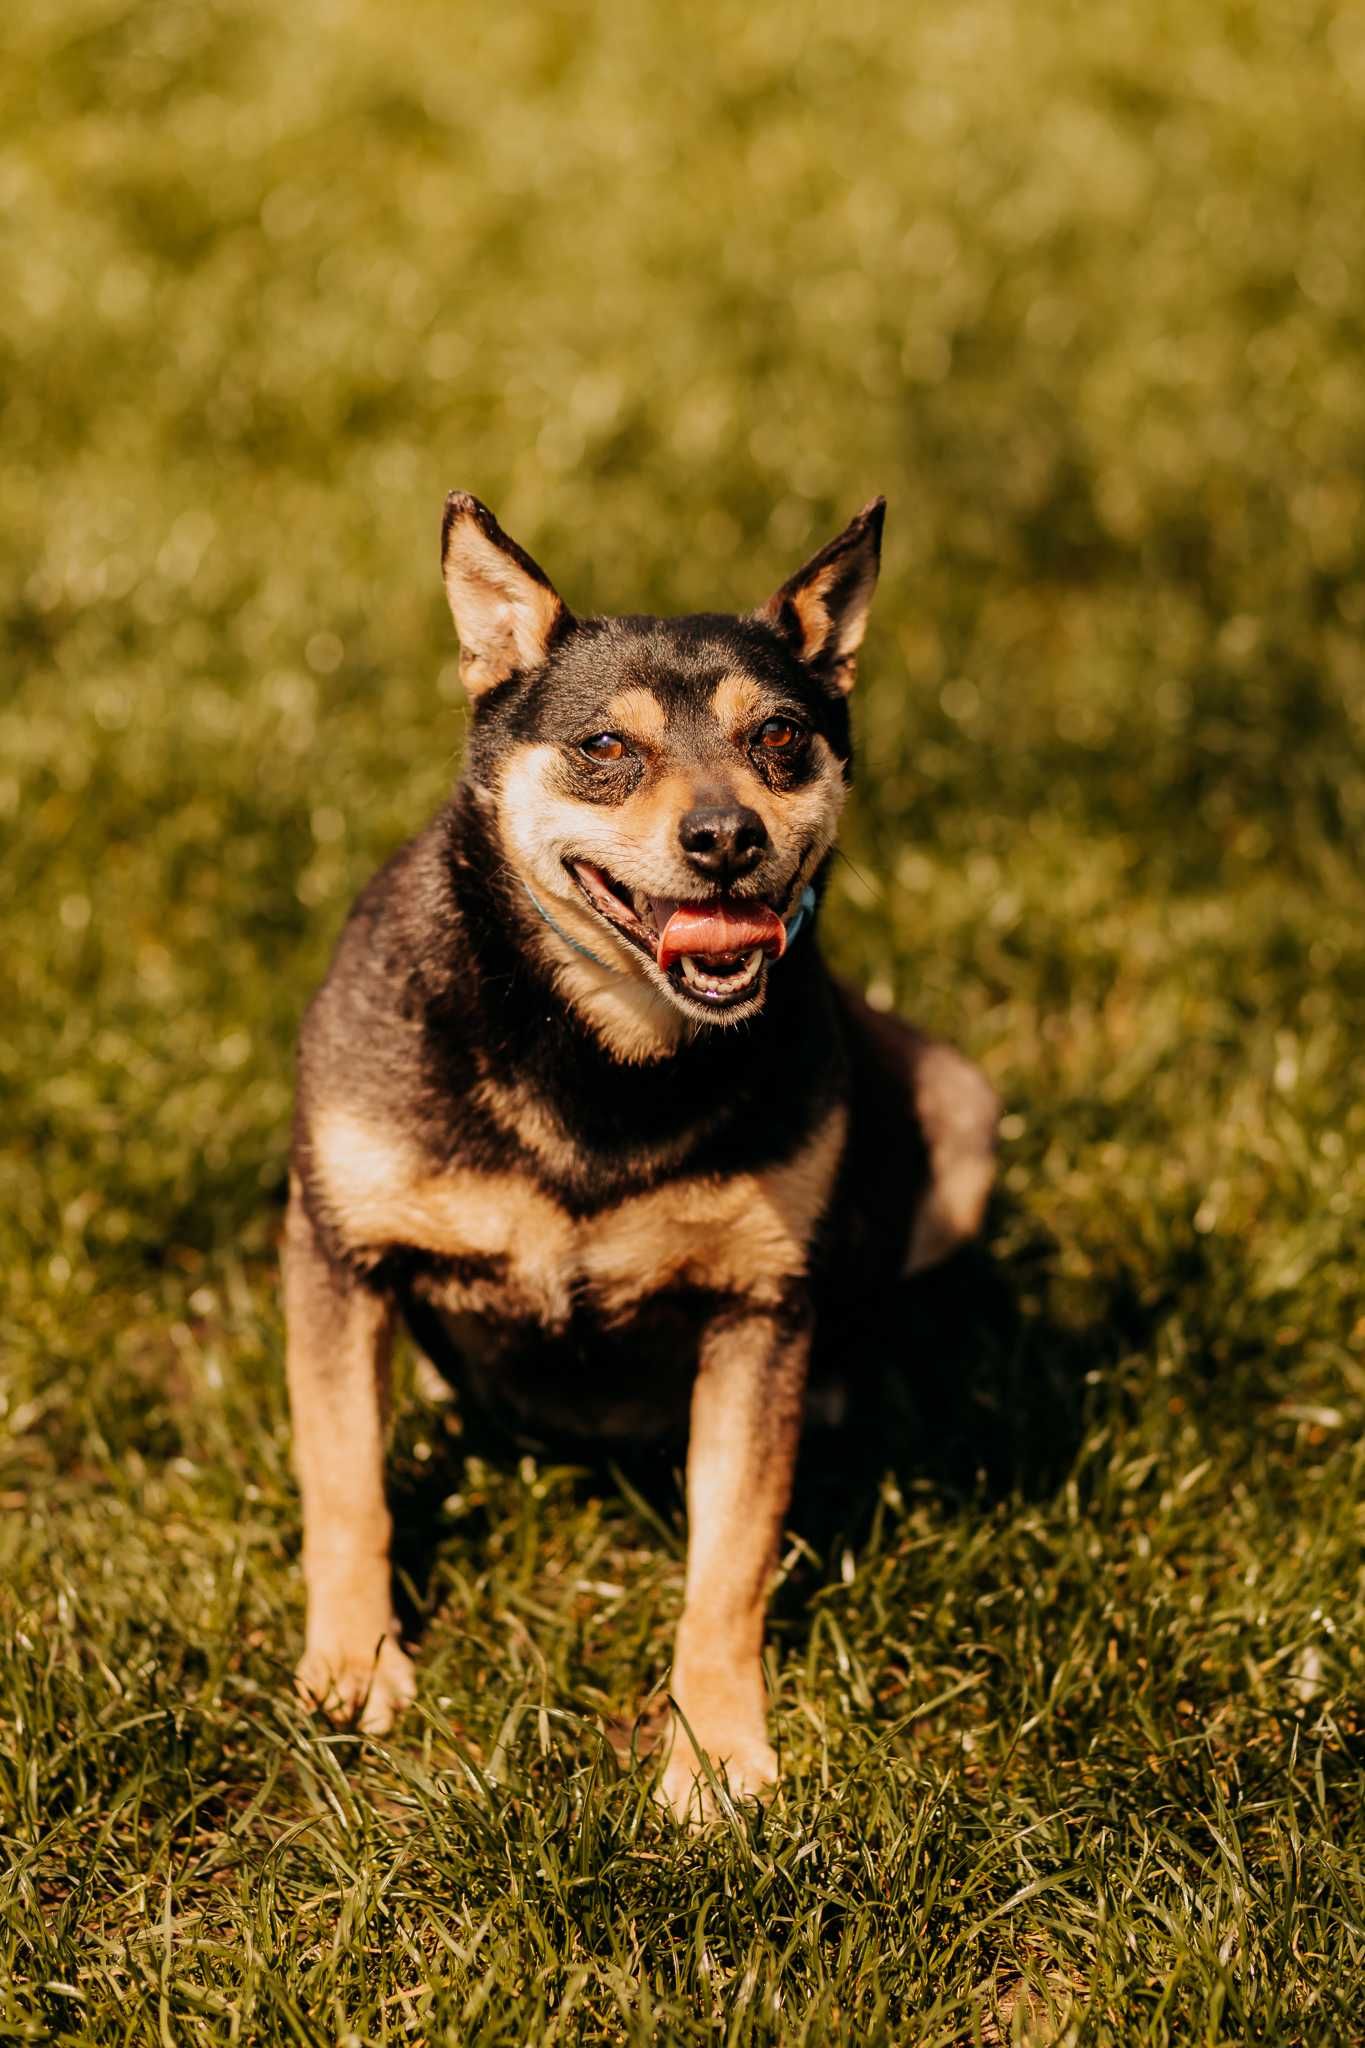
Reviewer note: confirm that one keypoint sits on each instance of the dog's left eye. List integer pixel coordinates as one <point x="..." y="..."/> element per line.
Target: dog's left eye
<point x="777" y="734"/>
<point x="603" y="746"/>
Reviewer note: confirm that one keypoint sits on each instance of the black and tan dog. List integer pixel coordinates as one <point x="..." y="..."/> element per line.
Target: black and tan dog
<point x="580" y="1099"/>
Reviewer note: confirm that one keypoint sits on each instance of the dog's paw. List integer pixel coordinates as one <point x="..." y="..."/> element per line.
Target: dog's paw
<point x="369" y="1689"/>
<point x="746" y="1766"/>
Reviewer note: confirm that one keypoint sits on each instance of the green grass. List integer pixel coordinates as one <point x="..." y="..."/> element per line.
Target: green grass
<point x="1068" y="1695"/>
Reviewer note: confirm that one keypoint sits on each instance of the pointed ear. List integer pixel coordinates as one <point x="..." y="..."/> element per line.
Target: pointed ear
<point x="507" y="612"/>
<point x="822" y="610"/>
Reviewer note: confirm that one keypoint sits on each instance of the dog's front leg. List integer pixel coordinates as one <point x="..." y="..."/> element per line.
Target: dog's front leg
<point x="337" y="1353"/>
<point x="746" y="1417"/>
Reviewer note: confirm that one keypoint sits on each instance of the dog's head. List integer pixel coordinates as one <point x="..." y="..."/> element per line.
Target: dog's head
<point x="663" y="790"/>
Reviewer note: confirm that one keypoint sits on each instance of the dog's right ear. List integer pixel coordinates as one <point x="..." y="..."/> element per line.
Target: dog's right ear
<point x="507" y="612"/>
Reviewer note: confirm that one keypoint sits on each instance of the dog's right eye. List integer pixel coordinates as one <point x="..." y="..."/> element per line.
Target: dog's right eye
<point x="603" y="746"/>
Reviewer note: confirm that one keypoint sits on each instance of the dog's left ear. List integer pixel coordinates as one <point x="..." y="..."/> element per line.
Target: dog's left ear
<point x="821" y="611"/>
<point x="507" y="612"/>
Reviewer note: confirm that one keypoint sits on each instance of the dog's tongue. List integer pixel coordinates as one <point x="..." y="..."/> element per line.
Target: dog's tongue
<point x="720" y="927"/>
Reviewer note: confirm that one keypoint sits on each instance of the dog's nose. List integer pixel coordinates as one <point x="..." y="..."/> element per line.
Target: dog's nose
<point x="722" y="840"/>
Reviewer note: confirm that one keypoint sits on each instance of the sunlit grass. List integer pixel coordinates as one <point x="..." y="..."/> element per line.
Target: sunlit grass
<point x="1067" y="1681"/>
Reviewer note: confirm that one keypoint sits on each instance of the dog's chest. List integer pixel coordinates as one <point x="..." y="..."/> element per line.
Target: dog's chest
<point x="508" y="1250"/>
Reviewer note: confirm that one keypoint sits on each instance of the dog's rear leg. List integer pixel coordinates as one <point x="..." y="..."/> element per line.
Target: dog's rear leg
<point x="337" y="1353"/>
<point x="746" y="1416"/>
<point x="958" y="1111"/>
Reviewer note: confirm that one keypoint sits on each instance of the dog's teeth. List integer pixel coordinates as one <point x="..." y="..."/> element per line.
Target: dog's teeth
<point x="744" y="975"/>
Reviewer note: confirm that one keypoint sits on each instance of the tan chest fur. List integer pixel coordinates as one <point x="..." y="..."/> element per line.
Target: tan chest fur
<point x="745" y="1234"/>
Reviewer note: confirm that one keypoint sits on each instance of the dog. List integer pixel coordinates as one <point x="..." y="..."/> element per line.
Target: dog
<point x="581" y="1103"/>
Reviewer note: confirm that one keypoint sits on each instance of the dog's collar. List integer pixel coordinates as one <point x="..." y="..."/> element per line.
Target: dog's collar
<point x="804" y="909"/>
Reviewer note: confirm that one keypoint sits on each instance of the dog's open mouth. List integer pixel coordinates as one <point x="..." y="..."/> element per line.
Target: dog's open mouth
<point x="715" y="950"/>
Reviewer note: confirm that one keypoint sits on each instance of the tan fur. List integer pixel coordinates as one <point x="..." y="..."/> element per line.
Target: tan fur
<point x="811" y="610"/>
<point x="746" y="1408"/>
<point x="745" y="1234"/>
<point x="637" y="713"/>
<point x="521" y="1114"/>
<point x="380" y="1191"/>
<point x="633" y="1019"/>
<point x="504" y="617"/>
<point x="739" y="704"/>
<point x="540" y="825"/>
<point x="650" y="821"/>
<point x="833" y="640"/>
<point x="806" y="817"/>
<point x="958" y="1110"/>
<point x="337" y="1364"/>
<point x="639" y="838"/>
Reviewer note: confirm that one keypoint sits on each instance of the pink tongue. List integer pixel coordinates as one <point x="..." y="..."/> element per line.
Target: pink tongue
<point x="719" y="928"/>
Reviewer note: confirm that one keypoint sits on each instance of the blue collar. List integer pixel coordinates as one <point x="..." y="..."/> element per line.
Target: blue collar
<point x="804" y="909"/>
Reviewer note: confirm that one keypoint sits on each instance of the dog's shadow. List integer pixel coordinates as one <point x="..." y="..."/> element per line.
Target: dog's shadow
<point x="975" y="1391"/>
<point x="971" y="1383"/>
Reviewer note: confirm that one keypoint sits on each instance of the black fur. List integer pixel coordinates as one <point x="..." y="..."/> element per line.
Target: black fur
<point x="678" y="660"/>
<point x="437" y="986"/>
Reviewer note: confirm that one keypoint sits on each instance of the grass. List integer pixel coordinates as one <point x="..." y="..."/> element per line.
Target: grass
<point x="1067" y="1685"/>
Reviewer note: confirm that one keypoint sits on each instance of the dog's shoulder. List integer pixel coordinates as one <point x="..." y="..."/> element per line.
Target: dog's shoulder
<point x="384" y="1048"/>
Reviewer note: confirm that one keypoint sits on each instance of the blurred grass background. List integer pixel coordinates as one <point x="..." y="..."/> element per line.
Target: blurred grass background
<point x="1080" y="288"/>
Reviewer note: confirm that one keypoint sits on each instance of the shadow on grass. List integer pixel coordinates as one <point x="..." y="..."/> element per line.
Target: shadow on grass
<point x="973" y="1378"/>
<point x="957" y="1383"/>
